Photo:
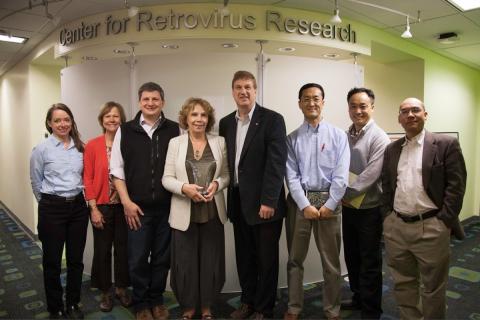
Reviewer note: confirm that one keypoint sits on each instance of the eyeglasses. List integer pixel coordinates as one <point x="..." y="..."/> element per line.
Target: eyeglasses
<point x="406" y="111"/>
<point x="307" y="100"/>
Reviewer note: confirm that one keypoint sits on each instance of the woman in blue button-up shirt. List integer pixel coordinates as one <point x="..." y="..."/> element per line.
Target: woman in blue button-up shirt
<point x="56" y="168"/>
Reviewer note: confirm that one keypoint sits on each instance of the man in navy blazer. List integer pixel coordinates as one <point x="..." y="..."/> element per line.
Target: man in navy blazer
<point x="257" y="154"/>
<point x="423" y="179"/>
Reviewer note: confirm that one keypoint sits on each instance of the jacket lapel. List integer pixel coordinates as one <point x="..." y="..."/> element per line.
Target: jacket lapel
<point x="252" y="129"/>
<point x="231" y="140"/>
<point x="396" y="151"/>
<point x="216" y="153"/>
<point x="182" y="157"/>
<point x="428" y="157"/>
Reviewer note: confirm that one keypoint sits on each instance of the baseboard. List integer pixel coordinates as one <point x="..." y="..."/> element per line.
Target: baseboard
<point x="24" y="228"/>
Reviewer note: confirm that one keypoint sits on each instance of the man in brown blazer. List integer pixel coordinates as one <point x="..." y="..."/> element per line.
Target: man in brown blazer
<point x="423" y="178"/>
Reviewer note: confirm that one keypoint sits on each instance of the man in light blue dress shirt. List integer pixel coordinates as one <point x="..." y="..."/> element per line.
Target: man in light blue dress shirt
<point x="317" y="177"/>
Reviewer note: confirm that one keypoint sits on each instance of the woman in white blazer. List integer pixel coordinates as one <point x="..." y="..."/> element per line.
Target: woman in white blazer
<point x="196" y="172"/>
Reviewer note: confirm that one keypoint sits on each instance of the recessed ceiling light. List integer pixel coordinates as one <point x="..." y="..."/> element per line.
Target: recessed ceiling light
<point x="286" y="49"/>
<point x="170" y="46"/>
<point x="465" y="5"/>
<point x="8" y="38"/>
<point x="331" y="55"/>
<point x="121" y="51"/>
<point x="89" y="58"/>
<point x="229" y="45"/>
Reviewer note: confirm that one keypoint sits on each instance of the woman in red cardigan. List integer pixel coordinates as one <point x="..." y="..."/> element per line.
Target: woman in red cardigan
<point x="106" y="212"/>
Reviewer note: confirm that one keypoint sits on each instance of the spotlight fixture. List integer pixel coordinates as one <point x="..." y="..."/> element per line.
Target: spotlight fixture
<point x="407" y="34"/>
<point x="448" y="38"/>
<point x="225" y="11"/>
<point x="54" y="20"/>
<point x="229" y="45"/>
<point x="336" y="15"/>
<point x="132" y="10"/>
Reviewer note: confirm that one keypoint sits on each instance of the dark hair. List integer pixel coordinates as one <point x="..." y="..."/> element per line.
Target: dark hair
<point x="189" y="105"/>
<point x="310" y="85"/>
<point x="150" y="87"/>
<point x="106" y="108"/>
<point x="369" y="93"/>
<point x="73" y="132"/>
<point x="244" y="75"/>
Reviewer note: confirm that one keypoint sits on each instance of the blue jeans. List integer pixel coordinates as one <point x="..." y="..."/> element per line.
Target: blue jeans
<point x="149" y="258"/>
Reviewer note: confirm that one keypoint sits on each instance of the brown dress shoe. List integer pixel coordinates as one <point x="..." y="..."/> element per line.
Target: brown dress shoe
<point x="290" y="316"/>
<point x="243" y="312"/>
<point x="122" y="295"/>
<point x="258" y="316"/>
<point x="106" y="303"/>
<point x="160" y="312"/>
<point x="144" y="314"/>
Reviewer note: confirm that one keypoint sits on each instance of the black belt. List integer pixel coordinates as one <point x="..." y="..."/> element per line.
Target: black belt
<point x="418" y="217"/>
<point x="52" y="197"/>
<point x="316" y="191"/>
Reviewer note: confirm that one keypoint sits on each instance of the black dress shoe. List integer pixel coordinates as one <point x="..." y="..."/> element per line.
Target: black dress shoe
<point x="74" y="312"/>
<point x="57" y="315"/>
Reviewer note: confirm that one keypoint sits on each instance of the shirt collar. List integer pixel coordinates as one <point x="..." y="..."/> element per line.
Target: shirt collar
<point x="143" y="122"/>
<point x="354" y="133"/>
<point x="54" y="140"/>
<point x="250" y="113"/>
<point x="418" y="139"/>
<point x="307" y="128"/>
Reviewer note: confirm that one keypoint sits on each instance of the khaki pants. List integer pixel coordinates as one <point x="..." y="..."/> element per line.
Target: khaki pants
<point x="328" y="239"/>
<point x="418" y="255"/>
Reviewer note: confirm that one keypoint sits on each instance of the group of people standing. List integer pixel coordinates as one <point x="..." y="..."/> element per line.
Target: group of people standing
<point x="158" y="198"/>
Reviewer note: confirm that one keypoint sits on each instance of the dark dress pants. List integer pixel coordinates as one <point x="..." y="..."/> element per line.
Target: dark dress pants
<point x="256" y="248"/>
<point x="114" y="233"/>
<point x="198" y="263"/>
<point x="149" y="258"/>
<point x="62" y="223"/>
<point x="362" y="232"/>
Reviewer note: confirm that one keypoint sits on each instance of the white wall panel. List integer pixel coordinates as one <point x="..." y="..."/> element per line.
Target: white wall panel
<point x="208" y="75"/>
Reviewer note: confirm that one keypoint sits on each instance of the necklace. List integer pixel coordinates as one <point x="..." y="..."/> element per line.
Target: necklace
<point x="198" y="147"/>
<point x="197" y="155"/>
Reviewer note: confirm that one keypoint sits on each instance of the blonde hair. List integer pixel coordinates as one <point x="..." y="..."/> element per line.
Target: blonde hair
<point x="189" y="105"/>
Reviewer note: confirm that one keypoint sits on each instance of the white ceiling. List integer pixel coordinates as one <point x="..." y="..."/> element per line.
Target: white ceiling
<point x="437" y="16"/>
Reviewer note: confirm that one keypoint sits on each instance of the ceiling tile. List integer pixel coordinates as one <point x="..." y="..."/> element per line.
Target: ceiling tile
<point x="428" y="31"/>
<point x="470" y="53"/>
<point x="473" y="15"/>
<point x="8" y="48"/>
<point x="436" y="16"/>
<point x="13" y="4"/>
<point x="21" y="21"/>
